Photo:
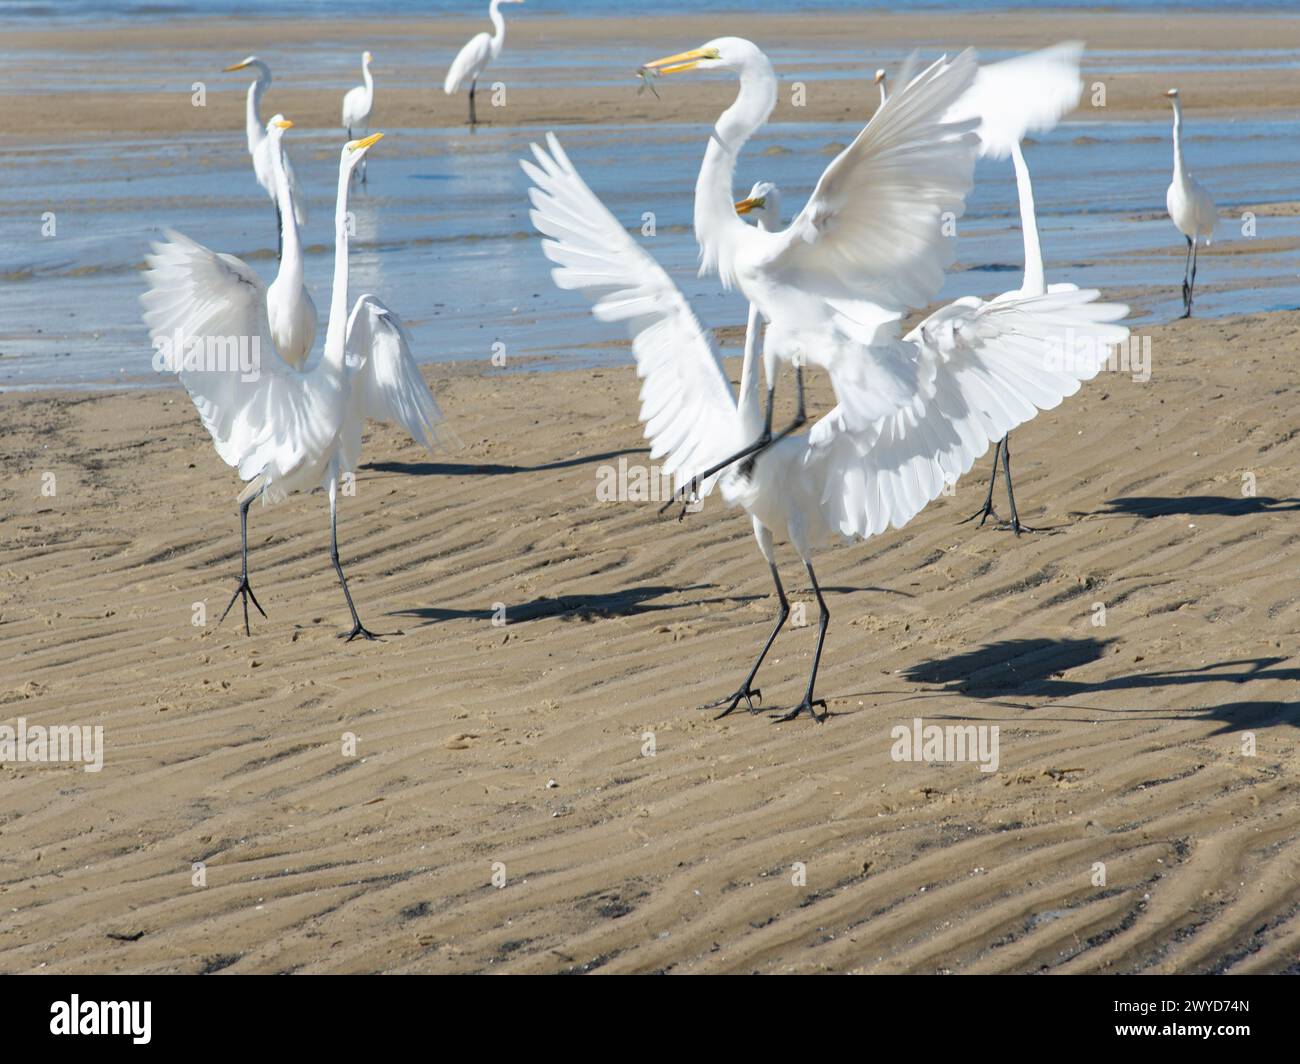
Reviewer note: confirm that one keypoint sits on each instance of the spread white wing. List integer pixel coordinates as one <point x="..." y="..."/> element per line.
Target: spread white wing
<point x="873" y="229"/>
<point x="1020" y="96"/>
<point x="987" y="367"/>
<point x="385" y="381"/>
<point x="687" y="405"/>
<point x="469" y="62"/>
<point x="206" y="308"/>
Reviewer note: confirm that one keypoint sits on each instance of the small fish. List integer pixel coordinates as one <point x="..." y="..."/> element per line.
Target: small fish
<point x="647" y="77"/>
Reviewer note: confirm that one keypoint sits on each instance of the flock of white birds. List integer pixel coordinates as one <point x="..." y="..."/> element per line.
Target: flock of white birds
<point x="914" y="410"/>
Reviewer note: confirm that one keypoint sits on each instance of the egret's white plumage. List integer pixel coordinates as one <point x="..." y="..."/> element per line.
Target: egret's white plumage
<point x="474" y="57"/>
<point x="871" y="242"/>
<point x="291" y="314"/>
<point x="283" y="430"/>
<point x="263" y="164"/>
<point x="358" y="102"/>
<point x="981" y="369"/>
<point x="1190" y="206"/>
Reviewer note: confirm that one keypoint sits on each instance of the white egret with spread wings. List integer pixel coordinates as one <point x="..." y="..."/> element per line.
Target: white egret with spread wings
<point x="282" y="429"/>
<point x="982" y="367"/>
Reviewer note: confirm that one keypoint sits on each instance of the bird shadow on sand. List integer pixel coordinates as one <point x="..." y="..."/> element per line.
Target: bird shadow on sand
<point x="1197" y="506"/>
<point x="1025" y="668"/>
<point x="492" y="469"/>
<point x="625" y="603"/>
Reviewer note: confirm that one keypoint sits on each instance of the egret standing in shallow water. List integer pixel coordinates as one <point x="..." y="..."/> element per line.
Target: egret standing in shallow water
<point x="357" y="105"/>
<point x="1189" y="205"/>
<point x="479" y="51"/>
<point x="263" y="168"/>
<point x="283" y="430"/>
<point x="987" y="367"/>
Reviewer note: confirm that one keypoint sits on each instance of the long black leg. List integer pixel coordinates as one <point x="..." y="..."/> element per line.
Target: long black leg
<point x="1016" y="526"/>
<point x="279" y="231"/>
<point x="473" y="118"/>
<point x="243" y="590"/>
<point x="1191" y="288"/>
<point x="1187" y="288"/>
<point x="358" y="629"/>
<point x="986" y="511"/>
<point x="822" y="622"/>
<point x="750" y="453"/>
<point x="747" y="691"/>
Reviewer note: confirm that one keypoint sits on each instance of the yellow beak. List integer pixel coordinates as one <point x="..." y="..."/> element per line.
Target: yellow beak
<point x="365" y="142"/>
<point x="284" y="123"/>
<point x="234" y="66"/>
<point x="672" y="64"/>
<point x="747" y="205"/>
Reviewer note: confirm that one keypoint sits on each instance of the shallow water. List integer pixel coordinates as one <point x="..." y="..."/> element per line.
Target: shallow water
<point x="443" y="234"/>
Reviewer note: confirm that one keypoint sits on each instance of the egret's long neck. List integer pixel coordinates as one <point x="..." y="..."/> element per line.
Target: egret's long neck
<point x="1035" y="283"/>
<point x="498" y="26"/>
<point x="291" y="264"/>
<point x="1178" y="138"/>
<point x="717" y="225"/>
<point x="749" y="407"/>
<point x="336" y="333"/>
<point x="369" y="80"/>
<point x="252" y="116"/>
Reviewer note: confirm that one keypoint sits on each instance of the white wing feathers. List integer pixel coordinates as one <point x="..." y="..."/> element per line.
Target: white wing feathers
<point x="686" y="400"/>
<point x="469" y="62"/>
<point x="872" y="229"/>
<point x="385" y="381"/>
<point x="216" y="303"/>
<point x="1023" y="95"/>
<point x="990" y="367"/>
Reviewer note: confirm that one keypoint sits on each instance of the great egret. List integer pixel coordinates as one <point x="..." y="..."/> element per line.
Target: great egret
<point x="479" y="51"/>
<point x="291" y="314"/>
<point x="283" y="430"/>
<point x="870" y="243"/>
<point x="1189" y="205"/>
<point x="357" y="104"/>
<point x="987" y="367"/>
<point x="263" y="168"/>
<point x="1027" y="94"/>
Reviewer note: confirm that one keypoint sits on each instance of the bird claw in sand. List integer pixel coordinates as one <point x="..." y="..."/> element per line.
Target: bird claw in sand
<point x="688" y="497"/>
<point x="811" y="707"/>
<point x="751" y="695"/>
<point x="360" y="629"/>
<point x="246" y="592"/>
<point x="984" y="513"/>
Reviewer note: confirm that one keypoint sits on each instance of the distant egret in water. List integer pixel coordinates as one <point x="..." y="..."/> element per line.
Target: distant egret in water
<point x="1189" y="205"/>
<point x="284" y="430"/>
<point x="357" y="105"/>
<point x="263" y="168"/>
<point x="479" y="51"/>
<point x="987" y="367"/>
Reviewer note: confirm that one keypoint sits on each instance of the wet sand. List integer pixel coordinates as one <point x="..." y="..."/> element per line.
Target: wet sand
<point x="412" y="58"/>
<point x="520" y="749"/>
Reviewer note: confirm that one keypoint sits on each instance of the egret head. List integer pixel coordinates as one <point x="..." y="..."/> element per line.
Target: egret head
<point x="1172" y="94"/>
<point x="367" y="58"/>
<point x="276" y="127"/>
<point x="252" y="60"/>
<point x="722" y="53"/>
<point x="763" y="205"/>
<point x="880" y="78"/>
<point x="355" y="150"/>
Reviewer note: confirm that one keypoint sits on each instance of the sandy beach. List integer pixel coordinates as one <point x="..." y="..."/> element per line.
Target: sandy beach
<point x="518" y="778"/>
<point x="517" y="750"/>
